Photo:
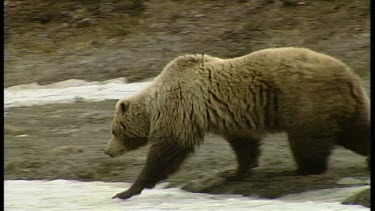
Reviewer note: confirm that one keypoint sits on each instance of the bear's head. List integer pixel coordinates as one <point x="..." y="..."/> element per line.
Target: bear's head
<point x="130" y="128"/>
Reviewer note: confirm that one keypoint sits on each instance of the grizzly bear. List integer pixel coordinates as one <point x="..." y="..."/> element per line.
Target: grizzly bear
<point x="316" y="99"/>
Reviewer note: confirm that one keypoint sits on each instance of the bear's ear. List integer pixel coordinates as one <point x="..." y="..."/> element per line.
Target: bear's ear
<point x="122" y="107"/>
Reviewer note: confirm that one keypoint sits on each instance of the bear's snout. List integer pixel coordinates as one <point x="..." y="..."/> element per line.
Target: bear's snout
<point x="114" y="148"/>
<point x="107" y="153"/>
<point x="114" y="154"/>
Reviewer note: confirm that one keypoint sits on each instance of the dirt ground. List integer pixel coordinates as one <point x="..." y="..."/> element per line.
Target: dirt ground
<point x="47" y="42"/>
<point x="50" y="42"/>
<point x="66" y="141"/>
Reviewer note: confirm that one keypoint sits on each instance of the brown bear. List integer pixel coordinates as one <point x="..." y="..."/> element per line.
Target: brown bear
<point x="316" y="99"/>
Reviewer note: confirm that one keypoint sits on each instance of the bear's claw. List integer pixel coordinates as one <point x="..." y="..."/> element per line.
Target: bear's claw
<point x="123" y="195"/>
<point x="128" y="193"/>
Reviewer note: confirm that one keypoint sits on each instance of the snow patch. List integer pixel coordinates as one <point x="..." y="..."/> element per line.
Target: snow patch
<point x="70" y="91"/>
<point x="74" y="195"/>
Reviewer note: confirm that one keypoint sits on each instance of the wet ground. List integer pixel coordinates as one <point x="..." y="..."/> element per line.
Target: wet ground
<point x="50" y="42"/>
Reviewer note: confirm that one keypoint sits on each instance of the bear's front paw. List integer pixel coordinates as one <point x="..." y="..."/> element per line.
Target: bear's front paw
<point x="123" y="195"/>
<point x="126" y="194"/>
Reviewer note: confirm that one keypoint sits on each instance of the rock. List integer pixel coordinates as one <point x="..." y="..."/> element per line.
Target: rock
<point x="361" y="198"/>
<point x="200" y="15"/>
<point x="84" y="23"/>
<point x="293" y="2"/>
<point x="22" y="136"/>
<point x="14" y="130"/>
<point x="65" y="25"/>
<point x="78" y="99"/>
<point x="67" y="150"/>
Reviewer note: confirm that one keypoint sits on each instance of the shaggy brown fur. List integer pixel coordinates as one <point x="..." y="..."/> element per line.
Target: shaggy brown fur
<point x="316" y="99"/>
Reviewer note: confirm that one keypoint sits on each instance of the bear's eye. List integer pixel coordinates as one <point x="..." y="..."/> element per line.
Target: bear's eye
<point x="113" y="132"/>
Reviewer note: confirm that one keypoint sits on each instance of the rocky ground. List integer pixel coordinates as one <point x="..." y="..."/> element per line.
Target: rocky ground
<point x="47" y="42"/>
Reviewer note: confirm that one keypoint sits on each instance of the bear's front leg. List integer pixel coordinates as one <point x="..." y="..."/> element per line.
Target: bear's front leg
<point x="163" y="159"/>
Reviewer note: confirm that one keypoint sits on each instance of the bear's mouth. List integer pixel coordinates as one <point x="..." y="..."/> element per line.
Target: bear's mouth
<point x="113" y="155"/>
<point x="120" y="153"/>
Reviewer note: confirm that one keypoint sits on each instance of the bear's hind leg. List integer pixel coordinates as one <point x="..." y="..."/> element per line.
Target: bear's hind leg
<point x="247" y="152"/>
<point x="311" y="151"/>
<point x="356" y="136"/>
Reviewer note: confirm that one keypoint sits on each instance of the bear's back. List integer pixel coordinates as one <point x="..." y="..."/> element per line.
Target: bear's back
<point x="290" y="60"/>
<point x="288" y="69"/>
<point x="264" y="88"/>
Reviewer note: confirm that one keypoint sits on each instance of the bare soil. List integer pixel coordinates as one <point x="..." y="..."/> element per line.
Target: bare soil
<point x="47" y="42"/>
<point x="67" y="141"/>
